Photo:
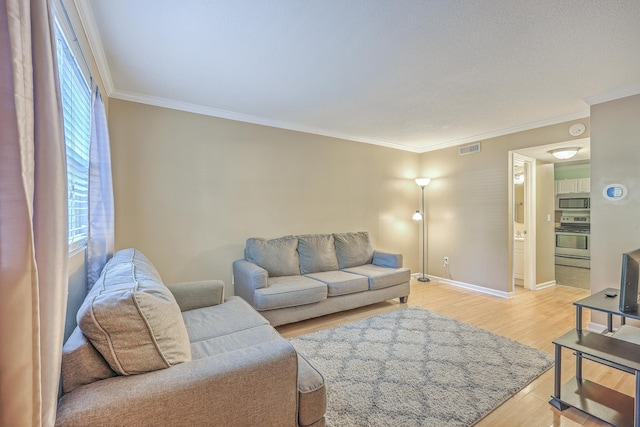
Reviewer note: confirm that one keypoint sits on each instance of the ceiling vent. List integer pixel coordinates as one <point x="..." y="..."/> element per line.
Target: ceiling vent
<point x="469" y="149"/>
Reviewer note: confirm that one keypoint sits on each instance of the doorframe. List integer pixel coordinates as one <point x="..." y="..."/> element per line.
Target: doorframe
<point x="529" y="223"/>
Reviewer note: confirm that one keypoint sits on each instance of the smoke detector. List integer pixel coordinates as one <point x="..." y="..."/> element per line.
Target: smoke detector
<point x="576" y="129"/>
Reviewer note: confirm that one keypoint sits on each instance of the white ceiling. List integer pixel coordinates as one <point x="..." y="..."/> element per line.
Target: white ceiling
<point x="411" y="74"/>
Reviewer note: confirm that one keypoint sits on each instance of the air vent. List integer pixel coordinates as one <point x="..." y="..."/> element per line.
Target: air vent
<point x="469" y="149"/>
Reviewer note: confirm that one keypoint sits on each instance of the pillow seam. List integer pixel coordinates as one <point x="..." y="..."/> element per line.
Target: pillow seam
<point x="142" y="315"/>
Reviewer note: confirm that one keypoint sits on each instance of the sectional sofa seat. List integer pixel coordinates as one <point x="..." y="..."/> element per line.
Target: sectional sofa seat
<point x="149" y="354"/>
<point x="293" y="278"/>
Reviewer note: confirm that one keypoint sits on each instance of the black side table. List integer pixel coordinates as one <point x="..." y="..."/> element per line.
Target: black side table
<point x="602" y="402"/>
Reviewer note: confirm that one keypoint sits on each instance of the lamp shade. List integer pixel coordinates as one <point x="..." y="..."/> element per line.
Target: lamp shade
<point x="423" y="182"/>
<point x="564" y="153"/>
<point x="417" y="216"/>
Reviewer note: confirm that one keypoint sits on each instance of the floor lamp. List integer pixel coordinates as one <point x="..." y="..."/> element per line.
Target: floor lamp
<point x="420" y="215"/>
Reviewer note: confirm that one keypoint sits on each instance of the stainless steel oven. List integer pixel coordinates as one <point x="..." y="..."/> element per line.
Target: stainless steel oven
<point x="573" y="245"/>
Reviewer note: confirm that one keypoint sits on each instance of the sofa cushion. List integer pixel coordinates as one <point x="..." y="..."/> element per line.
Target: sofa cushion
<point x="289" y="291"/>
<point x="317" y="253"/>
<point x="132" y="319"/>
<point x="341" y="282"/>
<point x="82" y="363"/>
<point x="278" y="256"/>
<point x="226" y="327"/>
<point x="382" y="277"/>
<point x="353" y="249"/>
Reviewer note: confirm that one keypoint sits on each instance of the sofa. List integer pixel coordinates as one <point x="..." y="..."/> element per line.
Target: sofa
<point x="294" y="278"/>
<point x="145" y="353"/>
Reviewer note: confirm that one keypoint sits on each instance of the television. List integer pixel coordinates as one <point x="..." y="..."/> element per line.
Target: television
<point x="629" y="281"/>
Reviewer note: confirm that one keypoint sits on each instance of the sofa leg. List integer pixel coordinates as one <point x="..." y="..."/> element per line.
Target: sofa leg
<point x="403" y="300"/>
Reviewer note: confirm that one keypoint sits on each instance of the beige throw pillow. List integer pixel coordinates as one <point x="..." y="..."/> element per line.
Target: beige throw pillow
<point x="132" y="319"/>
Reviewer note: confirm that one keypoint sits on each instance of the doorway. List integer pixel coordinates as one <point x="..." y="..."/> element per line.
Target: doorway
<point x="554" y="179"/>
<point x="522" y="221"/>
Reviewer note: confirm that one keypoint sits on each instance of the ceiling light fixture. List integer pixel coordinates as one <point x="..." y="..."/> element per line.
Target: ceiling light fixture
<point x="564" y="153"/>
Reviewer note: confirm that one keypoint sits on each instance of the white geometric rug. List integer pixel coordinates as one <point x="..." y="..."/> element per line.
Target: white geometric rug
<point x="413" y="367"/>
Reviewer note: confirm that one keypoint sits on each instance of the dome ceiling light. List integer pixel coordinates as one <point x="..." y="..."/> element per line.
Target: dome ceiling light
<point x="564" y="153"/>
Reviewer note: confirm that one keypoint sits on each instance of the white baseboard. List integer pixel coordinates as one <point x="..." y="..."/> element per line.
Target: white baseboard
<point x="545" y="285"/>
<point x="596" y="327"/>
<point x="464" y="285"/>
<point x="482" y="289"/>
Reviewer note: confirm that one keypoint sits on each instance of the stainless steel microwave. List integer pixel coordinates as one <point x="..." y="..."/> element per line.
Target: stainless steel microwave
<point x="574" y="203"/>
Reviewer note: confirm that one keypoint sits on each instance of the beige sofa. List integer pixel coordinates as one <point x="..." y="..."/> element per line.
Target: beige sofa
<point x="293" y="278"/>
<point x="148" y="354"/>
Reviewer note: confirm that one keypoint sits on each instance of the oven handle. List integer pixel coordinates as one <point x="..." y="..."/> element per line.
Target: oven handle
<point x="572" y="256"/>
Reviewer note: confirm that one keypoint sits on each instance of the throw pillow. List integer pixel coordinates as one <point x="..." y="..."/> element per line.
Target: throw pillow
<point x="278" y="256"/>
<point x="353" y="249"/>
<point x="317" y="253"/>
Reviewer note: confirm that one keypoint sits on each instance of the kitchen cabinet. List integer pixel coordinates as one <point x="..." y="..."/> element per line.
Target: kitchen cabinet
<point x="584" y="185"/>
<point x="566" y="186"/>
<point x="569" y="186"/>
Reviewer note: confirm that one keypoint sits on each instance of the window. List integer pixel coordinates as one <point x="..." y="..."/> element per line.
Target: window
<point x="76" y="112"/>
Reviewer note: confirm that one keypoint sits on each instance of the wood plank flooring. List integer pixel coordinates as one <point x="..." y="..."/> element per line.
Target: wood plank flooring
<point x="534" y="318"/>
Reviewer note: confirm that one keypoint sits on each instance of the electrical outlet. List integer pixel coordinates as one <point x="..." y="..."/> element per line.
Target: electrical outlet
<point x="446" y="260"/>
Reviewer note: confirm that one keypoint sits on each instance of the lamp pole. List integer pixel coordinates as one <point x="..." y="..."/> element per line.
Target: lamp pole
<point x="423" y="182"/>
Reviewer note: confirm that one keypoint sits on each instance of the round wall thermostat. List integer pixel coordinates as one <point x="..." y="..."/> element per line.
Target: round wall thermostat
<point x="614" y="192"/>
<point x="576" y="129"/>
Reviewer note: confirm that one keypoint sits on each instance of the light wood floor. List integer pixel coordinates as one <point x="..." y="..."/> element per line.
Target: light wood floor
<point x="534" y="318"/>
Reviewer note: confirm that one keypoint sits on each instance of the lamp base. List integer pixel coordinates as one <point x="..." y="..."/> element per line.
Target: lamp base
<point x="423" y="279"/>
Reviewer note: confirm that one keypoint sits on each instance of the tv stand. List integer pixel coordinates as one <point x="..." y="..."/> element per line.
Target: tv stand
<point x="620" y="353"/>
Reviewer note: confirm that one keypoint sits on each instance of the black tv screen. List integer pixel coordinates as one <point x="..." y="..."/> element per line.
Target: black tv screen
<point x="629" y="281"/>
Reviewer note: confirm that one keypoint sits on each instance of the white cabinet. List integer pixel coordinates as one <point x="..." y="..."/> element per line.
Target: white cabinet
<point x="565" y="186"/>
<point x="568" y="186"/>
<point x="584" y="185"/>
<point x="518" y="259"/>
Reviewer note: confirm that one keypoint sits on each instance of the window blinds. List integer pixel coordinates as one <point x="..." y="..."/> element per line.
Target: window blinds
<point x="76" y="111"/>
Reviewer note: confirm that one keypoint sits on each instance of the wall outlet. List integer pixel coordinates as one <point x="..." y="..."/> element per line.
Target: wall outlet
<point x="446" y="260"/>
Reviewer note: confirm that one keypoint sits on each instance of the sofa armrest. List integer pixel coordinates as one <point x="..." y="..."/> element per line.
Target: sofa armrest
<point x="192" y="295"/>
<point x="249" y="386"/>
<point x="385" y="259"/>
<point x="247" y="278"/>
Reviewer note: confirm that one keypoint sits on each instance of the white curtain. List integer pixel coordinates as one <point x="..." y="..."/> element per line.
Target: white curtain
<point x="33" y="217"/>
<point x="101" y="217"/>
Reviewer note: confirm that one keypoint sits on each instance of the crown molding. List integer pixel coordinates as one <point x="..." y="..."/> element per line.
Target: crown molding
<point x="231" y="115"/>
<point x="95" y="43"/>
<point x="247" y="118"/>
<point x="508" y="131"/>
<point x="613" y="95"/>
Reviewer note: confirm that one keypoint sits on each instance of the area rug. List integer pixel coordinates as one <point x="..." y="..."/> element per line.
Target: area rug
<point x="413" y="367"/>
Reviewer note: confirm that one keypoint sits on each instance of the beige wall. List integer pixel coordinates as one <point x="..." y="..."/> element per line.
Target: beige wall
<point x="190" y="189"/>
<point x="615" y="158"/>
<point x="545" y="230"/>
<point x="468" y="207"/>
